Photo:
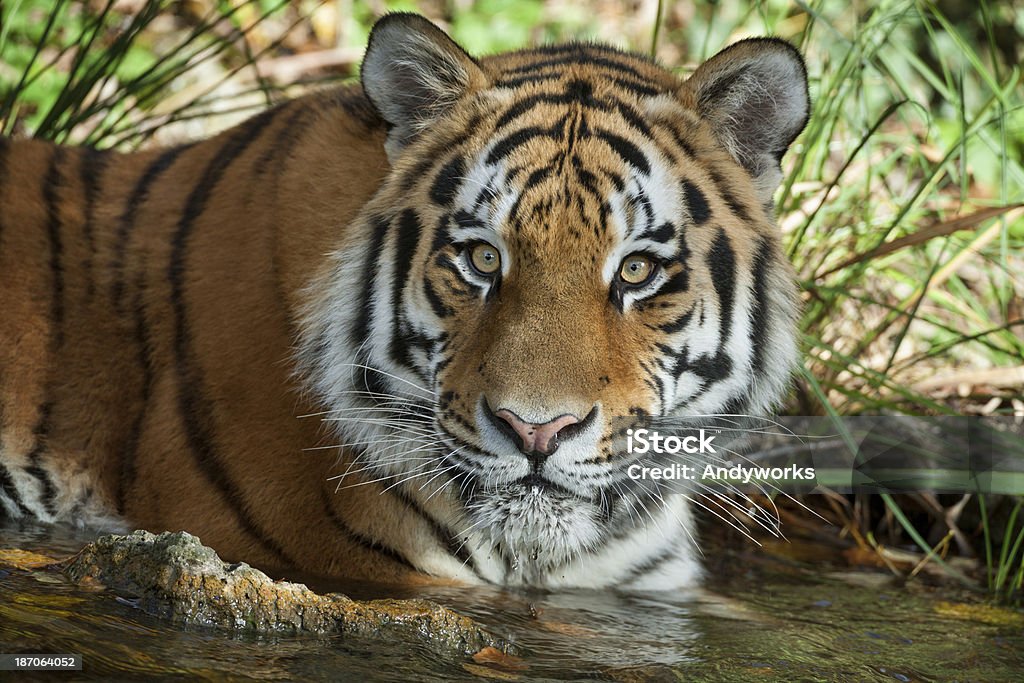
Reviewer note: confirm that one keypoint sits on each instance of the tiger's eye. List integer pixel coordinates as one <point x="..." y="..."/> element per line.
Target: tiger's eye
<point x="485" y="258"/>
<point x="636" y="269"/>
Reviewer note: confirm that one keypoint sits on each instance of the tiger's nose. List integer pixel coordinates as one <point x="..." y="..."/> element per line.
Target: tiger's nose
<point x="532" y="438"/>
<point x="536" y="438"/>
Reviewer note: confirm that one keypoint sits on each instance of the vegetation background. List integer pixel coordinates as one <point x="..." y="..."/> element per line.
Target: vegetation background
<point x="901" y="207"/>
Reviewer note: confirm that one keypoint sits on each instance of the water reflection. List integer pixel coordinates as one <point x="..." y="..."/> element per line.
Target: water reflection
<point x="756" y="623"/>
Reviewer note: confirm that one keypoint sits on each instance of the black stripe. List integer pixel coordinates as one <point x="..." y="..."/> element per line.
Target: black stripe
<point x="373" y="382"/>
<point x="712" y="368"/>
<point x="525" y="105"/>
<point x="362" y="540"/>
<point x="651" y="564"/>
<point x="536" y="178"/>
<point x="577" y="91"/>
<point x="629" y="152"/>
<point x="446" y="262"/>
<point x="736" y="405"/>
<point x="658" y="384"/>
<point x="278" y="151"/>
<point x="682" y="257"/>
<point x="512" y="141"/>
<point x="436" y="151"/>
<point x="361" y="328"/>
<point x="637" y="88"/>
<point x="35" y="458"/>
<point x="448" y="181"/>
<point x="196" y="410"/>
<point x="445" y="536"/>
<point x="724" y="191"/>
<point x="696" y="203"/>
<point x="629" y="112"/>
<point x="678" y="138"/>
<point x="677" y="283"/>
<point x="416" y="340"/>
<point x="442" y="238"/>
<point x="581" y="56"/>
<point x="589" y="183"/>
<point x="515" y="81"/>
<point x="409" y="231"/>
<point x="437" y="304"/>
<point x="486" y="194"/>
<point x="139" y="195"/>
<point x="759" y="315"/>
<point x="462" y="219"/>
<point x="144" y="347"/>
<point x="663" y="233"/>
<point x="614" y="178"/>
<point x="445" y="360"/>
<point x="53" y="231"/>
<point x="8" y="487"/>
<point x="677" y="325"/>
<point x="44" y="425"/>
<point x="94" y="163"/>
<point x="722" y="263"/>
<point x="640" y="203"/>
<point x="709" y="368"/>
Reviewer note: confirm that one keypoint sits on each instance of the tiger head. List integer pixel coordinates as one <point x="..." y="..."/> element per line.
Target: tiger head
<point x="568" y="236"/>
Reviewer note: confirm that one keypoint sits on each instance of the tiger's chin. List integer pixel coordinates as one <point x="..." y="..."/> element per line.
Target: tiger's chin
<point x="535" y="528"/>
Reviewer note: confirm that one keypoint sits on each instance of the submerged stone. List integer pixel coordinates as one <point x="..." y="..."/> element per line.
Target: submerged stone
<point x="174" y="575"/>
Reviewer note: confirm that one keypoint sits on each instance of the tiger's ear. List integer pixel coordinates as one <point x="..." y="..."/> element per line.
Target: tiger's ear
<point x="413" y="74"/>
<point x="754" y="94"/>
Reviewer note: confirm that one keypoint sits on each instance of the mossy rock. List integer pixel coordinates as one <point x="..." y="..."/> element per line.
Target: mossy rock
<point x="175" y="576"/>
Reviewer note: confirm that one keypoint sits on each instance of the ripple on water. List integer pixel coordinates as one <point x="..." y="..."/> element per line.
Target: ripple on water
<point x="760" y="624"/>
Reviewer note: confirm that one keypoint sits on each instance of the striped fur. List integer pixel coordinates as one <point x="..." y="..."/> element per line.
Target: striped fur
<point x="170" y="315"/>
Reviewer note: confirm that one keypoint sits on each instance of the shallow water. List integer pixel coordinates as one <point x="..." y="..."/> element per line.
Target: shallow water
<point x="764" y="619"/>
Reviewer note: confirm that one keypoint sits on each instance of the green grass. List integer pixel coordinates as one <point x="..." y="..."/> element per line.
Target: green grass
<point x="99" y="77"/>
<point x="898" y="207"/>
<point x="1005" y="572"/>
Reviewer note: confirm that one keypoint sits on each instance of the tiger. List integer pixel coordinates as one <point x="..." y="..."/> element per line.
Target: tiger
<point x="389" y="330"/>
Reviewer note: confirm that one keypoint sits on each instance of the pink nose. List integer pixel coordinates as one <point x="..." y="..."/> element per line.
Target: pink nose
<point x="537" y="438"/>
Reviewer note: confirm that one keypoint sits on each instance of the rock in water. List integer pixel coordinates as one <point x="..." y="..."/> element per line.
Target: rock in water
<point x="174" y="575"/>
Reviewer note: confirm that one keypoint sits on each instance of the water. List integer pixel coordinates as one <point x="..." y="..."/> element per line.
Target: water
<point x="764" y="619"/>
